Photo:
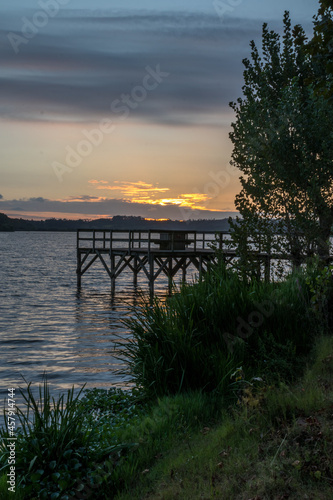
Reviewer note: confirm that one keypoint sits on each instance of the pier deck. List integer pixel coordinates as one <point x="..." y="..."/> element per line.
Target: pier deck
<point x="153" y="252"/>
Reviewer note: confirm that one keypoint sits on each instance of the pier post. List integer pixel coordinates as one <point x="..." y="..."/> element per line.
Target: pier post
<point x="135" y="271"/>
<point x="184" y="271"/>
<point x="170" y="275"/>
<point x="113" y="278"/>
<point x="200" y="267"/>
<point x="151" y="275"/>
<point x="267" y="269"/>
<point x="78" y="277"/>
<point x="78" y="260"/>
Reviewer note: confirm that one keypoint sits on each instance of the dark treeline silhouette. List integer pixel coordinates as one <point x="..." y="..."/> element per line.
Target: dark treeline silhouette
<point x="116" y="222"/>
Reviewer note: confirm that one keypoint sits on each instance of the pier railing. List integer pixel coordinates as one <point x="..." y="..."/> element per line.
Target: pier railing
<point x="151" y="240"/>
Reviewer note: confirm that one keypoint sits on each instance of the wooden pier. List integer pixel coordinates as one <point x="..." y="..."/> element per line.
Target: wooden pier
<point x="151" y="252"/>
<point x="156" y="252"/>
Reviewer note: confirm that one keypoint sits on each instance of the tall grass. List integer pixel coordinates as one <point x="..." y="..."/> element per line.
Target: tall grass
<point x="201" y="334"/>
<point x="57" y="454"/>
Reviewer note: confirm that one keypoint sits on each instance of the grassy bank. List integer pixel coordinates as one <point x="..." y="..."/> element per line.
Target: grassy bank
<point x="275" y="443"/>
<point x="233" y="400"/>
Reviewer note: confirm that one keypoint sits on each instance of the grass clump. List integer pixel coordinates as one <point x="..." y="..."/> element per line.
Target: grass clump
<point x="62" y="447"/>
<point x="201" y="334"/>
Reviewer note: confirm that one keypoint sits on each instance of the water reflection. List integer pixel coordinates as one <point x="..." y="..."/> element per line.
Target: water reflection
<point x="49" y="326"/>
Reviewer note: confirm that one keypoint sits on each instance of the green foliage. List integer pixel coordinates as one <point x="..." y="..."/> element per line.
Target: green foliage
<point x="108" y="411"/>
<point x="58" y="455"/>
<point x="283" y="147"/>
<point x="320" y="283"/>
<point x="197" y="338"/>
<point x="276" y="442"/>
<point x="277" y="360"/>
<point x="320" y="50"/>
<point x="178" y="345"/>
<point x="5" y="494"/>
<point x="280" y="328"/>
<point x="166" y="422"/>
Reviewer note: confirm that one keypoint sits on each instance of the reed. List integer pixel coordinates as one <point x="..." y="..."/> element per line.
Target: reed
<point x="57" y="454"/>
<point x="196" y="338"/>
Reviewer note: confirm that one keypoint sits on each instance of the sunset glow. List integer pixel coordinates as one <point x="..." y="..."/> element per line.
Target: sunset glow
<point x="145" y="193"/>
<point x="123" y="108"/>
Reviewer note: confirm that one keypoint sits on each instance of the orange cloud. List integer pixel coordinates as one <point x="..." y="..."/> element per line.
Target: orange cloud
<point x="133" y="187"/>
<point x="143" y="192"/>
<point x="189" y="200"/>
<point x="94" y="181"/>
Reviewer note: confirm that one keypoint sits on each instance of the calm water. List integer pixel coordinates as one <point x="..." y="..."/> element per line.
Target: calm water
<point x="46" y="325"/>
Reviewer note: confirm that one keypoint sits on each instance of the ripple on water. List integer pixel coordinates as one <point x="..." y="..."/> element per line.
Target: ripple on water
<point x="46" y="326"/>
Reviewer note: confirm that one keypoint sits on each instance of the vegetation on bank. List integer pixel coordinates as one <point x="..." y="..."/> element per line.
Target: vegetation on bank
<point x="275" y="443"/>
<point x="231" y="416"/>
<point x="196" y="339"/>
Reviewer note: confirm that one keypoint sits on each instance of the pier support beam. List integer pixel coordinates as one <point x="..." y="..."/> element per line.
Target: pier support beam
<point x="170" y="275"/>
<point x="184" y="272"/>
<point x="78" y="270"/>
<point x="267" y="269"/>
<point x="78" y="279"/>
<point x="151" y="275"/>
<point x="200" y="268"/>
<point x="135" y="271"/>
<point x="113" y="279"/>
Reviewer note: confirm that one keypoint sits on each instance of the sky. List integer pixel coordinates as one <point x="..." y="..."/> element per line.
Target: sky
<point x="122" y="107"/>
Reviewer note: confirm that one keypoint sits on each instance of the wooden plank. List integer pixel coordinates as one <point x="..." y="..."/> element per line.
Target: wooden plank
<point x="126" y="263"/>
<point x="104" y="263"/>
<point x="90" y="263"/>
<point x="162" y="265"/>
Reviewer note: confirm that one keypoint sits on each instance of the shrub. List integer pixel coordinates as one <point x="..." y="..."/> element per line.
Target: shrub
<point x="198" y="336"/>
<point x="320" y="283"/>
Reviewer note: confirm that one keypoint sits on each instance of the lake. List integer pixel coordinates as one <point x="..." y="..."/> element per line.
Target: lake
<point x="48" y="326"/>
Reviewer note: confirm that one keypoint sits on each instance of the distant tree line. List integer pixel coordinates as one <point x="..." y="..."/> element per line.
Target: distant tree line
<point x="116" y="222"/>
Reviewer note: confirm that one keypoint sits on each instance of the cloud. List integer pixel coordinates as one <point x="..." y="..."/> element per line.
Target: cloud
<point x="84" y="197"/>
<point x="173" y="208"/>
<point x="94" y="181"/>
<point x="39" y="199"/>
<point x="134" y="191"/>
<point x="145" y="193"/>
<point x="79" y="65"/>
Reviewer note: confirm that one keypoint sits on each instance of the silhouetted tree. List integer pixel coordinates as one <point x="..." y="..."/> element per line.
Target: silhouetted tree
<point x="283" y="144"/>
